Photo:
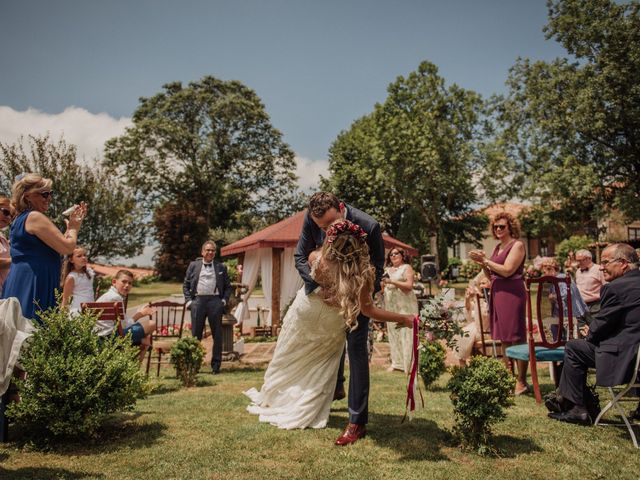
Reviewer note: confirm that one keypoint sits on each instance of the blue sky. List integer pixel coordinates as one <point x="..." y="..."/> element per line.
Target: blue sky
<point x="317" y="65"/>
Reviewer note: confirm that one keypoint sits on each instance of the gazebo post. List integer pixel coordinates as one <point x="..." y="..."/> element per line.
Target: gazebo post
<point x="276" y="274"/>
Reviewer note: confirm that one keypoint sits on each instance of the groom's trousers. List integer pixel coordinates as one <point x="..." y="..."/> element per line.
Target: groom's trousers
<point x="358" y="372"/>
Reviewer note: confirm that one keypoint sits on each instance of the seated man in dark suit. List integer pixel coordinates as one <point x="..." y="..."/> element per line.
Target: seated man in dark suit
<point x="206" y="290"/>
<point x="611" y="342"/>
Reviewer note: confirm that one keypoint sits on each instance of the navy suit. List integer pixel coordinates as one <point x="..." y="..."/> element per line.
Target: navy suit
<point x="208" y="306"/>
<point x="612" y="343"/>
<point x="311" y="238"/>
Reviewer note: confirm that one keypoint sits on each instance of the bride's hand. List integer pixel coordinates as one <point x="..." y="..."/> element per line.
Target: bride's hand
<point x="407" y="322"/>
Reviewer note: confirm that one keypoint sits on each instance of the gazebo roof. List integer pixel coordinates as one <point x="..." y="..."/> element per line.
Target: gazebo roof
<point x="285" y="234"/>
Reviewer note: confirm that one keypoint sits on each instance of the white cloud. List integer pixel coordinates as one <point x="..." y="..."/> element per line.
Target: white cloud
<point x="309" y="171"/>
<point x="87" y="131"/>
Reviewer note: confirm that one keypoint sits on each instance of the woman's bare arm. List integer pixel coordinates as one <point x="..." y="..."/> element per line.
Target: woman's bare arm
<point x="512" y="262"/>
<point x="39" y="225"/>
<point x="67" y="290"/>
<point x="368" y="309"/>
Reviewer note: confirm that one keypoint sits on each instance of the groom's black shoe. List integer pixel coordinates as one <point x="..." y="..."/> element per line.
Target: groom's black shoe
<point x="339" y="393"/>
<point x="351" y="434"/>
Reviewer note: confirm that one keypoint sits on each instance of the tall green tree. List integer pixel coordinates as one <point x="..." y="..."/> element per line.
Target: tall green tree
<point x="210" y="145"/>
<point x="411" y="163"/>
<point x="570" y="128"/>
<point x="115" y="223"/>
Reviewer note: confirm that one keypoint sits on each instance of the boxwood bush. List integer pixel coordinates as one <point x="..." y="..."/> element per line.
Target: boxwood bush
<point x="480" y="392"/>
<point x="432" y="362"/>
<point x="187" y="355"/>
<point x="75" y="379"/>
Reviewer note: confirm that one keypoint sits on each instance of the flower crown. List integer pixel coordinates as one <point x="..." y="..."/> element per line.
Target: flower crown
<point x="348" y="227"/>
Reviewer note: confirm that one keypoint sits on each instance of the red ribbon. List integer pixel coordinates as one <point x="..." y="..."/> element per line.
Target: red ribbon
<point x="410" y="405"/>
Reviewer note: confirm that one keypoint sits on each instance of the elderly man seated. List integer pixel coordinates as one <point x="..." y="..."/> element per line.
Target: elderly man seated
<point x="611" y="342"/>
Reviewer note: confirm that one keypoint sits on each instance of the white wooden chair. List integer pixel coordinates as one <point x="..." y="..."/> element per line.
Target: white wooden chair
<point x="618" y="397"/>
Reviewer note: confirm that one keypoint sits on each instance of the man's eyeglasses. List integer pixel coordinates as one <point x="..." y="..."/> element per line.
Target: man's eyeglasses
<point x="6" y="212"/>
<point x="46" y="194"/>
<point x="604" y="263"/>
<point x="499" y="227"/>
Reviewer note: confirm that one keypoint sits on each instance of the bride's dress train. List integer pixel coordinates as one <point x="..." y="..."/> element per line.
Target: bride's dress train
<point x="300" y="381"/>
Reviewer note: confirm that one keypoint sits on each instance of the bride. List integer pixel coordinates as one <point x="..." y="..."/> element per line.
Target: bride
<point x="300" y="381"/>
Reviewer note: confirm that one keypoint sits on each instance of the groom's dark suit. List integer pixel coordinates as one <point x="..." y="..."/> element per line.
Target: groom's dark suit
<point x="311" y="238"/>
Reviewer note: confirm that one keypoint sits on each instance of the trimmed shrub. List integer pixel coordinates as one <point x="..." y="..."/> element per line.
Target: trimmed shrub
<point x="432" y="362"/>
<point x="75" y="379"/>
<point x="469" y="269"/>
<point x="479" y="392"/>
<point x="187" y="355"/>
<point x="572" y="244"/>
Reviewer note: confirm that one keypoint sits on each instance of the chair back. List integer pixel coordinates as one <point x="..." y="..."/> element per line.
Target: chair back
<point x="107" y="311"/>
<point x="169" y="318"/>
<point x="484" y="325"/>
<point x="563" y="334"/>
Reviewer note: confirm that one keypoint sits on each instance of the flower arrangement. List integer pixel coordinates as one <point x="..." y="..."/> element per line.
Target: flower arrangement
<point x="170" y="330"/>
<point x="345" y="226"/>
<point x="438" y="318"/>
<point x="533" y="270"/>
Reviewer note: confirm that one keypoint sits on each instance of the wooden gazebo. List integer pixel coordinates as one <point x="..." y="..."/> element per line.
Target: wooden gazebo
<point x="278" y="237"/>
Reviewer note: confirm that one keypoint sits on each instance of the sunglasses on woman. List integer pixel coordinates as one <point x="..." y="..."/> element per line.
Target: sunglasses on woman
<point x="499" y="227"/>
<point x="6" y="212"/>
<point x="46" y="194"/>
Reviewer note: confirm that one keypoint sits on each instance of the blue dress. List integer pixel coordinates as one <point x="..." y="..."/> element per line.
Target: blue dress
<point x="34" y="275"/>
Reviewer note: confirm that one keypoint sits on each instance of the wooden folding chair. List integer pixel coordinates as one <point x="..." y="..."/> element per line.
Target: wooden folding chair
<point x="107" y="311"/>
<point x="544" y="350"/>
<point x="620" y="396"/>
<point x="169" y="318"/>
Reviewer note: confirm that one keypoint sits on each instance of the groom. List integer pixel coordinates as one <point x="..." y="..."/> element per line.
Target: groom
<point x="324" y="209"/>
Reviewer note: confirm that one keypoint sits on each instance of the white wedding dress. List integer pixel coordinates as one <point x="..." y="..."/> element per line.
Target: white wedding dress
<point x="300" y="381"/>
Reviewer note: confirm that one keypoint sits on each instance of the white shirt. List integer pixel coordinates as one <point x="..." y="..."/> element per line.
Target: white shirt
<point x="82" y="289"/>
<point x="106" y="327"/>
<point x="207" y="280"/>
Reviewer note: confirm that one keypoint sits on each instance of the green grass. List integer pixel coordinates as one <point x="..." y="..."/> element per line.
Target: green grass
<point x="153" y="291"/>
<point x="205" y="433"/>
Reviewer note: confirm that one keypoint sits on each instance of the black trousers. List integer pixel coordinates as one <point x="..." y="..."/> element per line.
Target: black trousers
<point x="358" y="372"/>
<point x="579" y="356"/>
<point x="212" y="308"/>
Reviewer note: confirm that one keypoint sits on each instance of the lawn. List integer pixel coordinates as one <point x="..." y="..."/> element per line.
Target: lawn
<point x="153" y="291"/>
<point x="205" y="432"/>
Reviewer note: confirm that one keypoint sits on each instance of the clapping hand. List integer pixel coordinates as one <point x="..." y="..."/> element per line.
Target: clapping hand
<point x="478" y="256"/>
<point x="77" y="216"/>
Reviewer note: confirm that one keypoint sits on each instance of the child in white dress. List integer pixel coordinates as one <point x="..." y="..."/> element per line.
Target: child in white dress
<point x="77" y="287"/>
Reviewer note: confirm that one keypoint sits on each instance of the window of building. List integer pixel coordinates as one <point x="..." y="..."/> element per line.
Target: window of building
<point x="634" y="233"/>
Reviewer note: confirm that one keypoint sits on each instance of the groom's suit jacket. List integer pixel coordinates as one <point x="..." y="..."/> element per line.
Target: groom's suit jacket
<point x="312" y="237"/>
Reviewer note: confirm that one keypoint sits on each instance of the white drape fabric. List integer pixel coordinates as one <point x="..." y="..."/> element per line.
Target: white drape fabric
<point x="14" y="330"/>
<point x="266" y="266"/>
<point x="291" y="281"/>
<point x="250" y="270"/>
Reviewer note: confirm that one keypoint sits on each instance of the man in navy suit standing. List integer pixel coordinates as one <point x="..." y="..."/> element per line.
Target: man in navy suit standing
<point x="324" y="209"/>
<point x="206" y="290"/>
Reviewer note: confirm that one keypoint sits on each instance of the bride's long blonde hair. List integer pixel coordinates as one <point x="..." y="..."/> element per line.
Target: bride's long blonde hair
<point x="347" y="268"/>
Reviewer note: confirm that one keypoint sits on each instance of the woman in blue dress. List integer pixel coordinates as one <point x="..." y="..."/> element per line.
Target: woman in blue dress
<point x="36" y="245"/>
